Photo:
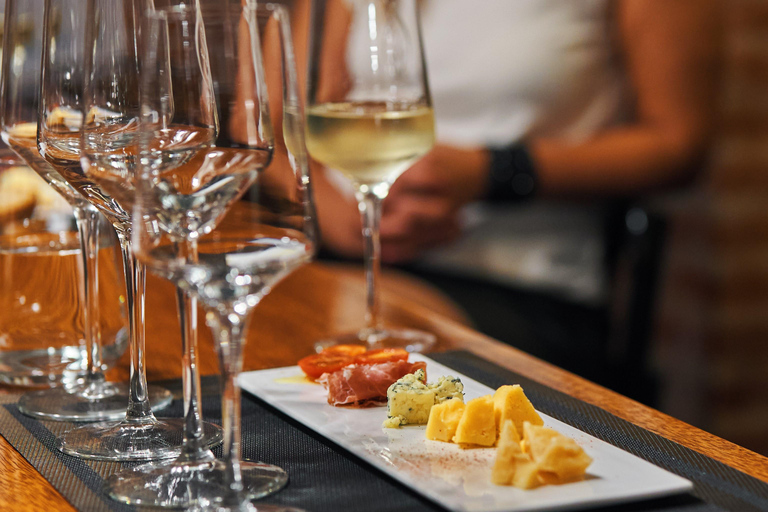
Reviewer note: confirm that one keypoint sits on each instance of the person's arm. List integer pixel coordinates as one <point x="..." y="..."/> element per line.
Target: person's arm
<point x="670" y="53"/>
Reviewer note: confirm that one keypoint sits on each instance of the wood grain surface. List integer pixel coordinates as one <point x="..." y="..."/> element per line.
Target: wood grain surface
<point x="320" y="300"/>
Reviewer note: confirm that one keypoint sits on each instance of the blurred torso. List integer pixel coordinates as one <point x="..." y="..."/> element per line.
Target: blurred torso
<point x="504" y="70"/>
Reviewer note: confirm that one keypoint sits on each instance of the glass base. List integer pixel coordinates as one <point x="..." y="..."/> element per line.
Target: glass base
<point x="179" y="484"/>
<point x="51" y="367"/>
<point x="411" y="340"/>
<point x="99" y="401"/>
<point x="132" y="441"/>
<point x="254" y="507"/>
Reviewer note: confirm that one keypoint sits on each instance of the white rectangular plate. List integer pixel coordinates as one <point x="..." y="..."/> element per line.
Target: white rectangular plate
<point x="456" y="478"/>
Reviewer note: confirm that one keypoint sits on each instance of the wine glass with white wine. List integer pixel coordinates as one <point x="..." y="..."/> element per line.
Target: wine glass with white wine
<point x="369" y="115"/>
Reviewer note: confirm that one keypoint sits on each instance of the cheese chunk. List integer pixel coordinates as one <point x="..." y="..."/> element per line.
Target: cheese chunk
<point x="559" y="458"/>
<point x="17" y="193"/>
<point x="512" y="466"/>
<point x="394" y="421"/>
<point x="409" y="401"/>
<point x="68" y="117"/>
<point x="447" y="388"/>
<point x="477" y="424"/>
<point x="510" y="403"/>
<point x="444" y="419"/>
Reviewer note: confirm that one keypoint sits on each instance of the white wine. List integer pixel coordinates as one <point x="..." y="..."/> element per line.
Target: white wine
<point x="367" y="142"/>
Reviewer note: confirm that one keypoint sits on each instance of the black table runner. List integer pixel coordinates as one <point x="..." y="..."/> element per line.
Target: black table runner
<point x="324" y="477"/>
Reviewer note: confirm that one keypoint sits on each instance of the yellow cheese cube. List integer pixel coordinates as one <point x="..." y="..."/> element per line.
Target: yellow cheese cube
<point x="444" y="419"/>
<point x="508" y="448"/>
<point x="512" y="466"/>
<point x="510" y="403"/>
<point x="558" y="457"/>
<point x="477" y="424"/>
<point x="527" y="475"/>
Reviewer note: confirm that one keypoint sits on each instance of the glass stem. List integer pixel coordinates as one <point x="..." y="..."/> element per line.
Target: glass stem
<point x="229" y="329"/>
<point x="369" y="205"/>
<point x="193" y="447"/>
<point x="139" y="410"/>
<point x="87" y="219"/>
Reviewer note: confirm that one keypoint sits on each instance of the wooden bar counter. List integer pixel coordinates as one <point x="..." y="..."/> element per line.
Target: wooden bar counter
<point x="322" y="299"/>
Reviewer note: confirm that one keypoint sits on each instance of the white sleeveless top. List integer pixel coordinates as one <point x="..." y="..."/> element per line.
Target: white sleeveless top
<point x="501" y="70"/>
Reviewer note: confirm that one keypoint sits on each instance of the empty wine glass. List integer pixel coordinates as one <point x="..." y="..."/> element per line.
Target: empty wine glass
<point x="224" y="193"/>
<point x="175" y="48"/>
<point x="369" y="115"/>
<point x="78" y="47"/>
<point x="92" y="398"/>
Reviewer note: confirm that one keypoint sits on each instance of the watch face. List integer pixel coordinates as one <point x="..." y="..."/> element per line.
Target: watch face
<point x="513" y="176"/>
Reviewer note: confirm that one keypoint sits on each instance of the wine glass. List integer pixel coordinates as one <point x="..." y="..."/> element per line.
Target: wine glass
<point x="223" y="198"/>
<point x="70" y="55"/>
<point x="92" y="398"/>
<point x="171" y="53"/>
<point x="369" y="115"/>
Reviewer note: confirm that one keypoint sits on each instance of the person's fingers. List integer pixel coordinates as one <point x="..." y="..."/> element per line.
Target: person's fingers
<point x="404" y="251"/>
<point x="414" y="216"/>
<point x="415" y="225"/>
<point x="424" y="177"/>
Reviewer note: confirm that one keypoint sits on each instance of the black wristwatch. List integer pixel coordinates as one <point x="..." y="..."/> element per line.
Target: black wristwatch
<point x="512" y="175"/>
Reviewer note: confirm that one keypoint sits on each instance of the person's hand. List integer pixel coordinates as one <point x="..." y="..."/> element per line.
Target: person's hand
<point x="423" y="208"/>
<point x="420" y="213"/>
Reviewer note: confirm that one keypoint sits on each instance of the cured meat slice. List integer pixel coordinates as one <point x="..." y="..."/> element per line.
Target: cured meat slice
<point x="366" y="385"/>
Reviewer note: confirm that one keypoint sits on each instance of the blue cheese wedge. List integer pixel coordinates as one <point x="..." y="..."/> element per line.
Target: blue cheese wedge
<point x="410" y="399"/>
<point x="447" y="388"/>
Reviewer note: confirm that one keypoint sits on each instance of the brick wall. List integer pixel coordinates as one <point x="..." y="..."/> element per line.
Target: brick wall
<point x="712" y="336"/>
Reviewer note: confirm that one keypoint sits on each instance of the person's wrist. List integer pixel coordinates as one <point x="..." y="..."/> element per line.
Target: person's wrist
<point x="512" y="174"/>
